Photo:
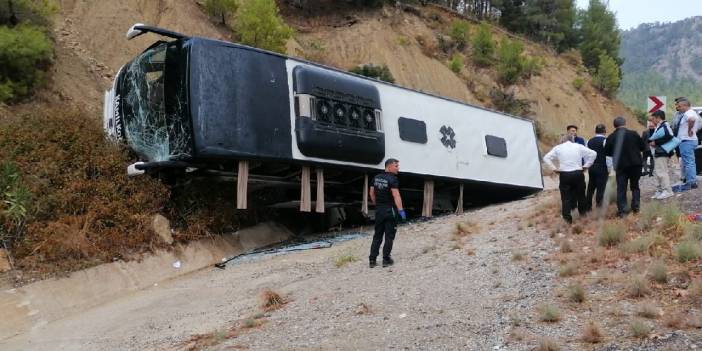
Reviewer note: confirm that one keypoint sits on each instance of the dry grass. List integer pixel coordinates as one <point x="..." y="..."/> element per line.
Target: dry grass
<point x="565" y="246"/>
<point x="674" y="320"/>
<point x="695" y="289"/>
<point x="647" y="310"/>
<point x="466" y="228"/>
<point x="548" y="313"/>
<point x="576" y="293"/>
<point x="638" y="287"/>
<point x="344" y="259"/>
<point x="271" y="300"/>
<point x="643" y="243"/>
<point x="592" y="333"/>
<point x="688" y="251"/>
<point x="659" y="272"/>
<point x="568" y="270"/>
<point x="611" y="234"/>
<point x="547" y="344"/>
<point x="517" y="256"/>
<point x="639" y="329"/>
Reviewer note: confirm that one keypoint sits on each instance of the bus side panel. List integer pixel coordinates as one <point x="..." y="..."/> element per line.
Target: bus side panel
<point x="240" y="105"/>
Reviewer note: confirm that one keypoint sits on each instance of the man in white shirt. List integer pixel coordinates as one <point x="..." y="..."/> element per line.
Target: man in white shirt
<point x="572" y="160"/>
<point x="685" y="129"/>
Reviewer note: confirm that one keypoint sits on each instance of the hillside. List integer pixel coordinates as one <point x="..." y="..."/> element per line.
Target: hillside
<point x="389" y="36"/>
<point x="662" y="59"/>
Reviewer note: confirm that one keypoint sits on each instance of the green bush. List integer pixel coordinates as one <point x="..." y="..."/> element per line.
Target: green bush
<point x="380" y="72"/>
<point x="510" y="63"/>
<point x="459" y="32"/>
<point x="25" y="55"/>
<point x="607" y="78"/>
<point x="578" y="83"/>
<point x="258" y="24"/>
<point x="483" y="46"/>
<point x="533" y="66"/>
<point x="456" y="63"/>
<point x="15" y="203"/>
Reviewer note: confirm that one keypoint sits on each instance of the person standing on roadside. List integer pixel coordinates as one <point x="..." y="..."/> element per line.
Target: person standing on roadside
<point x="599" y="171"/>
<point x="685" y="129"/>
<point x="663" y="145"/>
<point x="648" y="160"/>
<point x="625" y="147"/>
<point x="573" y="132"/>
<point x="385" y="195"/>
<point x="572" y="160"/>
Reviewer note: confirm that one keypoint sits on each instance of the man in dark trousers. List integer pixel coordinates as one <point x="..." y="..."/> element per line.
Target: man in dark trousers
<point x="385" y="195"/>
<point x="599" y="171"/>
<point x="625" y="147"/>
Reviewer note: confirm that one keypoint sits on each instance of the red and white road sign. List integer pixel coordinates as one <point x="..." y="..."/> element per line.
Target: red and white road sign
<point x="655" y="103"/>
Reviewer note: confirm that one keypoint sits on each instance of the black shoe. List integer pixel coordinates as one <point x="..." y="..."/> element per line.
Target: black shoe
<point x="388" y="262"/>
<point x="372" y="264"/>
<point x="693" y="186"/>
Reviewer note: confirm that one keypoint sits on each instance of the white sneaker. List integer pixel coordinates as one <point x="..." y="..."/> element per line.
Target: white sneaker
<point x="664" y="195"/>
<point x="657" y="194"/>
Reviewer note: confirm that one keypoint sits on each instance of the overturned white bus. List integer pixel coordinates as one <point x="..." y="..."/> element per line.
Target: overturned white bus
<point x="202" y="105"/>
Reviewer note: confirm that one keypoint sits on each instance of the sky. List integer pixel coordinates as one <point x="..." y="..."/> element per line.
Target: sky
<point x="631" y="13"/>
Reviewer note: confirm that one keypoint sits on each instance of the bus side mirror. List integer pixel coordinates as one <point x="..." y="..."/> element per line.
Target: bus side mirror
<point x="134" y="31"/>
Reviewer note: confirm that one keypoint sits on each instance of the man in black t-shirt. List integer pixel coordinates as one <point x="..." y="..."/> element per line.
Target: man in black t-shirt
<point x="385" y="195"/>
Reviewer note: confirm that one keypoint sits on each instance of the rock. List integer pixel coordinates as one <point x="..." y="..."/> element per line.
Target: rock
<point x="4" y="261"/>
<point x="162" y="227"/>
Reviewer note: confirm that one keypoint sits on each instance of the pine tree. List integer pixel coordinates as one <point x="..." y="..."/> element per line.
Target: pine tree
<point x="600" y="35"/>
<point x="510" y="63"/>
<point x="222" y="9"/>
<point x="607" y="78"/>
<point x="483" y="46"/>
<point x="258" y="24"/>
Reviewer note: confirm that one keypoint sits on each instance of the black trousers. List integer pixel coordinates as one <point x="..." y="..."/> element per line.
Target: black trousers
<point x="630" y="176"/>
<point x="596" y="186"/>
<point x="385" y="225"/>
<point x="572" y="187"/>
<point x="648" y="169"/>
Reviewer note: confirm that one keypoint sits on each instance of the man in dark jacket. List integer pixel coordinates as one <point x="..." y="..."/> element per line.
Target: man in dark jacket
<point x="385" y="195"/>
<point x="599" y="171"/>
<point x="625" y="147"/>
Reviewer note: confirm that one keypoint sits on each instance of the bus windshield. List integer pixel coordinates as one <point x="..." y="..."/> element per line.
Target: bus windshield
<point x="152" y="104"/>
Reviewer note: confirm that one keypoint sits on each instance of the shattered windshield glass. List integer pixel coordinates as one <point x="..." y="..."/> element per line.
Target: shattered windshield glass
<point x="154" y="110"/>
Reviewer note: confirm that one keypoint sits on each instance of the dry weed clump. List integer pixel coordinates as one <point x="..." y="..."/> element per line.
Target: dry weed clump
<point x="548" y="313"/>
<point x="695" y="288"/>
<point x="611" y="234"/>
<point x="643" y="243"/>
<point x="592" y="333"/>
<point x="548" y="344"/>
<point x="568" y="270"/>
<point x="466" y="228"/>
<point x="518" y="256"/>
<point x="271" y="300"/>
<point x="688" y="251"/>
<point x="565" y="246"/>
<point x="639" y="329"/>
<point x="647" y="310"/>
<point x="576" y="293"/>
<point x="659" y="272"/>
<point x="638" y="287"/>
<point x="344" y="259"/>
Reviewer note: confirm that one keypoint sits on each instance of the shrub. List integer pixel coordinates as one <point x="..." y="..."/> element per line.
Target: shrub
<point x="670" y="215"/>
<point x="25" y="56"/>
<point x="507" y="102"/>
<point x="380" y="72"/>
<point x="578" y="83"/>
<point x="647" y="310"/>
<point x="693" y="231"/>
<point x="568" y="270"/>
<point x="83" y="208"/>
<point x="532" y="66"/>
<point x="15" y="203"/>
<point x="459" y="33"/>
<point x="258" y="24"/>
<point x="687" y="251"/>
<point x="456" y="63"/>
<point x="592" y="333"/>
<point x="510" y="63"/>
<point x="548" y="344"/>
<point x="483" y="46"/>
<point x="642" y="243"/>
<point x="576" y="293"/>
<point x="344" y="259"/>
<point x="611" y="234"/>
<point x="549" y="313"/>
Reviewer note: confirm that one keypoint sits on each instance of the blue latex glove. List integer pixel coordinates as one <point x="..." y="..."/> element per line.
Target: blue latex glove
<point x="403" y="215"/>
